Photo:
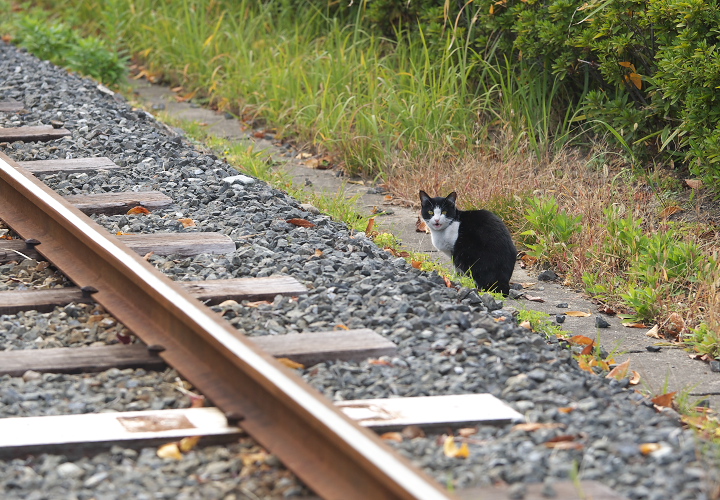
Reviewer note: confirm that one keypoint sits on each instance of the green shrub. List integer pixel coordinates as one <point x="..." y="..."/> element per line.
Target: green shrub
<point x="552" y="229"/>
<point x="61" y="45"/>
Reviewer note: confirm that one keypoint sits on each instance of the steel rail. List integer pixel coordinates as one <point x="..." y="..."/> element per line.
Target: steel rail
<point x="329" y="452"/>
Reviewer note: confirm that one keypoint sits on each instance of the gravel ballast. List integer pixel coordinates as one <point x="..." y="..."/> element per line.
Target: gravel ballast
<point x="450" y="341"/>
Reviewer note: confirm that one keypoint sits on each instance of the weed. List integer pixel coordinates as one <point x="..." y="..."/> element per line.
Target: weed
<point x="540" y="323"/>
<point x="59" y="44"/>
<point x="552" y="230"/>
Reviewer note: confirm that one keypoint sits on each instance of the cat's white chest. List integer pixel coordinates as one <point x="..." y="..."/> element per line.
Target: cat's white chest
<point x="444" y="239"/>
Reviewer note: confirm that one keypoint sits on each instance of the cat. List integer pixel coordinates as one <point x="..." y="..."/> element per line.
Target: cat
<point x="477" y="241"/>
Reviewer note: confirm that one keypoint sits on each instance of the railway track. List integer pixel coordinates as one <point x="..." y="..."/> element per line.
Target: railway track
<point x="249" y="387"/>
<point x="365" y="326"/>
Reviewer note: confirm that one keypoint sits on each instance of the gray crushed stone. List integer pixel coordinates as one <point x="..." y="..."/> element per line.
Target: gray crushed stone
<point x="450" y="341"/>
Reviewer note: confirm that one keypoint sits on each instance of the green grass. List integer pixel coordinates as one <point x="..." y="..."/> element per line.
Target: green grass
<point x="328" y="80"/>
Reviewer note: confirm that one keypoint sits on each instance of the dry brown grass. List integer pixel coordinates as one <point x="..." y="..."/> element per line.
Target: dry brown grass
<point x="503" y="182"/>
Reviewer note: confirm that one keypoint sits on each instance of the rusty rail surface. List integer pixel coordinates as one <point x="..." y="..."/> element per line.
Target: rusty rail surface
<point x="334" y="456"/>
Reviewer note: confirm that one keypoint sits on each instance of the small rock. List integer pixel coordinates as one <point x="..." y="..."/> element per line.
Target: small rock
<point x="31" y="375"/>
<point x="547" y="275"/>
<point x="562" y="305"/>
<point x="560" y="318"/>
<point x="601" y="323"/>
<point x="95" y="479"/>
<point x="515" y="294"/>
<point x="715" y="366"/>
<point x="69" y="470"/>
<point x="310" y="208"/>
<point x="243" y="179"/>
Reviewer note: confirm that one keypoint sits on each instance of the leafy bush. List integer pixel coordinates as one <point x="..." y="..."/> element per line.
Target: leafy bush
<point x="647" y="70"/>
<point x="59" y="44"/>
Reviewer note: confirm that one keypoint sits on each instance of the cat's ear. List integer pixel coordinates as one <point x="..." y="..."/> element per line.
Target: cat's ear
<point x="452" y="197"/>
<point x="423" y="196"/>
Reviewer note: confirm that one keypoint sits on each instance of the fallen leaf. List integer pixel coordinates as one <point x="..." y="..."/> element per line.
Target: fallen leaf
<point x="416" y="264"/>
<point x="634" y="378"/>
<point x="563" y="438"/>
<point x="448" y="283"/>
<point x="380" y="362"/>
<point x="341" y="327"/>
<point x="607" y="310"/>
<point x="664" y="399"/>
<point x="526" y="325"/>
<point x="653" y="332"/>
<point x="578" y="314"/>
<point x="392" y="436"/>
<point x="635" y="325"/>
<point x="566" y="409"/>
<point x="120" y="233"/>
<point x="565" y="445"/>
<point x="583" y="364"/>
<point x="674" y="325"/>
<point x="187" y="222"/>
<point x="588" y="350"/>
<point x="123" y="338"/>
<point x="188" y="443"/>
<point x="534" y="426"/>
<point x="647" y="448"/>
<point x="534" y="298"/>
<point x="370" y="225"/>
<point x="421" y="227"/>
<point x="148" y="255"/>
<point x="467" y="431"/>
<point x="253" y="458"/>
<point x="301" y="222"/>
<point x="668" y="211"/>
<point x="170" y="450"/>
<point x="528" y="260"/>
<point x="581" y="340"/>
<point x="185" y="97"/>
<point x="620" y="371"/>
<point x="318" y="252"/>
<point x="290" y="363"/>
<point x="256" y="303"/>
<point x="412" y="432"/>
<point x="453" y="451"/>
<point x="138" y="210"/>
<point x="694" y="183"/>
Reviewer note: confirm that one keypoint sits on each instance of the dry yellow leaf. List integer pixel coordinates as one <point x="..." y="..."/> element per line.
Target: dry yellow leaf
<point x="188" y="443"/>
<point x="694" y="183"/>
<point x="578" y="314"/>
<point x="187" y="222"/>
<point x="392" y="436"/>
<point x="253" y="458"/>
<point x="468" y="431"/>
<point x="634" y="378"/>
<point x="452" y="450"/>
<point x="647" y="448"/>
<point x="620" y="371"/>
<point x="526" y="324"/>
<point x="138" y="210"/>
<point x="668" y="211"/>
<point x="654" y="332"/>
<point x="169" y="450"/>
<point x="290" y="363"/>
<point x="534" y="426"/>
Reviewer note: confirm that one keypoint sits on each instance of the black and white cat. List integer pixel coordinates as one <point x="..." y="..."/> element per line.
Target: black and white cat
<point x="477" y="241"/>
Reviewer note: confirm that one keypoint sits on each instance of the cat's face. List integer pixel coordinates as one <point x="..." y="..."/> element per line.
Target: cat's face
<point x="438" y="212"/>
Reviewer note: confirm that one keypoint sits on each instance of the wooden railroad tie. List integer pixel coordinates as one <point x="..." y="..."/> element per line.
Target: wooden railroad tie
<point x="11" y="106"/>
<point x="181" y="244"/>
<point x="209" y="291"/>
<point x="34" y="133"/>
<point x="71" y="166"/>
<point x="303" y="348"/>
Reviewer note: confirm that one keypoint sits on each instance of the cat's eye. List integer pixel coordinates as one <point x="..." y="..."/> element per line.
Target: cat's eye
<point x="444" y="212"/>
<point x="430" y="212"/>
